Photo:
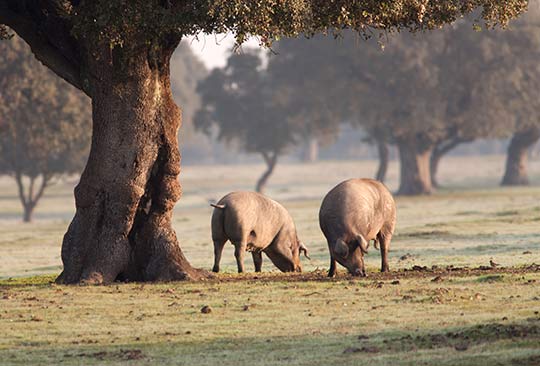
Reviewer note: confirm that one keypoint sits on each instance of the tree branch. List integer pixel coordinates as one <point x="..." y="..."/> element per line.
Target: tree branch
<point x="266" y="157"/>
<point x="444" y="147"/>
<point x="44" y="184"/>
<point x="48" y="35"/>
<point x="18" y="179"/>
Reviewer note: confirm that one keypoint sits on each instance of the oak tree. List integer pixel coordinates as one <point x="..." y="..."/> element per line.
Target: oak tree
<point x="491" y="82"/>
<point x="239" y="101"/>
<point x="304" y="79"/>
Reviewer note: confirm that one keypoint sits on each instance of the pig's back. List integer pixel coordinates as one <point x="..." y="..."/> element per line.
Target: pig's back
<point x="251" y="217"/>
<point x="355" y="206"/>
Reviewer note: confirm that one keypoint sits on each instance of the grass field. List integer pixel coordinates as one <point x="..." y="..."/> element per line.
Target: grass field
<point x="442" y="304"/>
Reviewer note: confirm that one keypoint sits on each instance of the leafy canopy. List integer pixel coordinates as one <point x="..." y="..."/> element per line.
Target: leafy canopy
<point x="66" y="35"/>
<point x="119" y="21"/>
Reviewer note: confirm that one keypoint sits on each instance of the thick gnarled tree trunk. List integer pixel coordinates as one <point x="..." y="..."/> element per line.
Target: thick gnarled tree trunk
<point x="270" y="159"/>
<point x="383" y="152"/>
<point x="122" y="227"/>
<point x="415" y="178"/>
<point x="516" y="159"/>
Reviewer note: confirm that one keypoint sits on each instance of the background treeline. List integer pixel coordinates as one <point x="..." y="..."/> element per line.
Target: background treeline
<point x="413" y="97"/>
<point x="424" y="94"/>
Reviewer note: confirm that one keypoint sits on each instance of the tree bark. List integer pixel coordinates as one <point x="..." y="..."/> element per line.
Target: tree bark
<point x="441" y="149"/>
<point x="516" y="158"/>
<point x="270" y="160"/>
<point x="122" y="228"/>
<point x="415" y="178"/>
<point x="382" y="148"/>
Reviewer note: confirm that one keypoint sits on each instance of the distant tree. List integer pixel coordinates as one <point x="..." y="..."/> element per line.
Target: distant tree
<point x="515" y="173"/>
<point x="391" y="95"/>
<point x="306" y="88"/>
<point x="395" y="97"/>
<point x="44" y="124"/>
<point x="238" y="103"/>
<point x="426" y="93"/>
<point x="461" y="63"/>
<point x="516" y="89"/>
<point x="444" y="89"/>
<point x="491" y="83"/>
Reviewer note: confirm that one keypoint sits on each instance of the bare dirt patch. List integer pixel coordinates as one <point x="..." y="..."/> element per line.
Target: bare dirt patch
<point x="436" y="273"/>
<point x="122" y="354"/>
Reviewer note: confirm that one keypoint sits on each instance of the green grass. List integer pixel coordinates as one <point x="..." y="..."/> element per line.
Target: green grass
<point x="454" y="316"/>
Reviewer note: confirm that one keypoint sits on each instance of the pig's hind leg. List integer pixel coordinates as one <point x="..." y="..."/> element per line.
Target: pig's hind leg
<point x="218" y="249"/>
<point x="384" y="243"/>
<point x="239" y="250"/>
<point x="257" y="260"/>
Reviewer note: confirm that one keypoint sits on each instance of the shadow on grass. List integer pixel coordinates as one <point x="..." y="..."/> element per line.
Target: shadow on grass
<point x="481" y="344"/>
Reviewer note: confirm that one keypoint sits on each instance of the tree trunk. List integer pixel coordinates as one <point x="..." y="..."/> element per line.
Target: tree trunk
<point x="311" y="152"/>
<point x="270" y="160"/>
<point x="516" y="158"/>
<point x="382" y="148"/>
<point x="30" y="198"/>
<point x="28" y="213"/>
<point x="441" y="149"/>
<point x="122" y="227"/>
<point x="415" y="178"/>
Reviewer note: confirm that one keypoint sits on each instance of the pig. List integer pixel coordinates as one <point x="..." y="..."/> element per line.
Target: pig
<point x="255" y="223"/>
<point x="352" y="214"/>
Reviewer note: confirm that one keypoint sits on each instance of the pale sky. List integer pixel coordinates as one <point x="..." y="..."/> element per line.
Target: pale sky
<point x="213" y="50"/>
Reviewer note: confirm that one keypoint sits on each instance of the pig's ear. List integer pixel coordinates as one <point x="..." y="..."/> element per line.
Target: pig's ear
<point x="304" y="250"/>
<point x="341" y="248"/>
<point x="363" y="244"/>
